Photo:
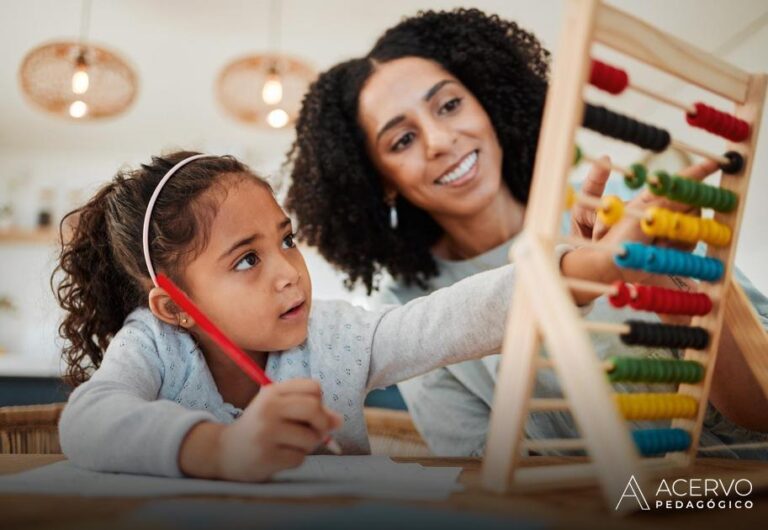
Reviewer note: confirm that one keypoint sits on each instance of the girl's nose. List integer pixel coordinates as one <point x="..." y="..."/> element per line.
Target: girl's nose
<point x="287" y="273"/>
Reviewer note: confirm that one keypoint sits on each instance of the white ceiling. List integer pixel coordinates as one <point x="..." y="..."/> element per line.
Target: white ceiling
<point x="178" y="47"/>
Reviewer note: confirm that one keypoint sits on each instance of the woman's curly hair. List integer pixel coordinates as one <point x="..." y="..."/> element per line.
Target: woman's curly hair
<point x="337" y="194"/>
<point x="101" y="275"/>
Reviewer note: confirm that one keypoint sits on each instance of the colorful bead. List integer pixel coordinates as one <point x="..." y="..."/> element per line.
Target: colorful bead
<point x="669" y="261"/>
<point x="615" y="125"/>
<point x="577" y="155"/>
<point x="661" y="184"/>
<point x="608" y="78"/>
<point x="665" y="335"/>
<point x="638" y="370"/>
<point x="652" y="442"/>
<point x="570" y="197"/>
<point x="611" y="211"/>
<point x="621" y="296"/>
<point x="719" y="123"/>
<point x="660" y="222"/>
<point x="637" y="179"/>
<point x="656" y="406"/>
<point x="670" y="301"/>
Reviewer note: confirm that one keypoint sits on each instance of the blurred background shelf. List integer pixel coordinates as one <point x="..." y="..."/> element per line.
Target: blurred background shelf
<point x="41" y="236"/>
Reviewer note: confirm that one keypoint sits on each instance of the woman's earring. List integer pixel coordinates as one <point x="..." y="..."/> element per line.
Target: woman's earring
<point x="184" y="321"/>
<point x="392" y="214"/>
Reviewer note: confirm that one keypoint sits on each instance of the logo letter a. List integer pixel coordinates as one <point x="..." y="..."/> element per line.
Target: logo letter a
<point x="633" y="491"/>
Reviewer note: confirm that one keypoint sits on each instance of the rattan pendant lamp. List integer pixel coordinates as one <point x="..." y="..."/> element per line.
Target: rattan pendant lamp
<point x="265" y="89"/>
<point x="76" y="79"/>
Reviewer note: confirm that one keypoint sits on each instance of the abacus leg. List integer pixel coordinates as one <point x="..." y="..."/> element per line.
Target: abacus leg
<point x="748" y="333"/>
<point x="510" y="402"/>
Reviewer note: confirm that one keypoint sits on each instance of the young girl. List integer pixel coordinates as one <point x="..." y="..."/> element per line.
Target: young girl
<point x="162" y="398"/>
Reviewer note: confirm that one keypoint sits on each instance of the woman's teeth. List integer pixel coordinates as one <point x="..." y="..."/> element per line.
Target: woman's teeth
<point x="462" y="169"/>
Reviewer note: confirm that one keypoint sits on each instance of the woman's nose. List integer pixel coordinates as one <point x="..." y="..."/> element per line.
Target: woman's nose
<point x="439" y="139"/>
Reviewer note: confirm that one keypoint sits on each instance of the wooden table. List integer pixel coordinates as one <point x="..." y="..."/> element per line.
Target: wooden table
<point x="581" y="508"/>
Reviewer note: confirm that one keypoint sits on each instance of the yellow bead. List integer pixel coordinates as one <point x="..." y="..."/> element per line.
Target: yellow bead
<point x="656" y="222"/>
<point x="570" y="197"/>
<point x="611" y="210"/>
<point x="685" y="228"/>
<point x="656" y="406"/>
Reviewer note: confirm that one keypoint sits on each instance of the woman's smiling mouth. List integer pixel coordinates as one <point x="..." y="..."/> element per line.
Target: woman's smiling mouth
<point x="463" y="172"/>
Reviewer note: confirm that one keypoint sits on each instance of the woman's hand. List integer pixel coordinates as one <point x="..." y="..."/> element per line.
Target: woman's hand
<point x="584" y="221"/>
<point x="284" y="423"/>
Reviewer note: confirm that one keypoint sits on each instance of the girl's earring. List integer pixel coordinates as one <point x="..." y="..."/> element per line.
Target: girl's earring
<point x="393" y="221"/>
<point x="184" y="321"/>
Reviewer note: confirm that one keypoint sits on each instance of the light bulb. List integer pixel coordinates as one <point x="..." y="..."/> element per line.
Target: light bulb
<point x="277" y="118"/>
<point x="272" y="92"/>
<point x="80" y="81"/>
<point x="78" y="109"/>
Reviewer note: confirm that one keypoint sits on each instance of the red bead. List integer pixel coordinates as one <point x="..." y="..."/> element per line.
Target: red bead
<point x="719" y="123"/>
<point x="644" y="298"/>
<point x="608" y="78"/>
<point x="621" y="298"/>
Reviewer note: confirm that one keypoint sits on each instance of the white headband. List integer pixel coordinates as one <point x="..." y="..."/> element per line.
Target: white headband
<point x="148" y="215"/>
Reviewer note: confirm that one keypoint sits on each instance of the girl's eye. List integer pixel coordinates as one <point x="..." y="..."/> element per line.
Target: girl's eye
<point x="451" y="105"/>
<point x="289" y="241"/>
<point x="247" y="262"/>
<point x="403" y="142"/>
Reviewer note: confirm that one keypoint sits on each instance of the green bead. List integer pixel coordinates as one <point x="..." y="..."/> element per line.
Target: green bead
<point x="707" y="197"/>
<point x="661" y="186"/>
<point x="719" y="200"/>
<point x="577" y="155"/>
<point x="729" y="202"/>
<point x="655" y="370"/>
<point x="638" y="177"/>
<point x="683" y="190"/>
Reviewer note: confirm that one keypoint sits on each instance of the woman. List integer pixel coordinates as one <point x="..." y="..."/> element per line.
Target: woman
<point x="416" y="160"/>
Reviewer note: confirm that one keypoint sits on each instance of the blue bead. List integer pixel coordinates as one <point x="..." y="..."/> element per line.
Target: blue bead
<point x="658" y="441"/>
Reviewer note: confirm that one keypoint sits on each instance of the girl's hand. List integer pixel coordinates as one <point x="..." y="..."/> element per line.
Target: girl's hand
<point x="284" y="423"/>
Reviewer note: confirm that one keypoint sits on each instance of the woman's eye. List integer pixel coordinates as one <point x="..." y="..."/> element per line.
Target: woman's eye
<point x="248" y="261"/>
<point x="451" y="105"/>
<point x="289" y="241"/>
<point x="403" y="142"/>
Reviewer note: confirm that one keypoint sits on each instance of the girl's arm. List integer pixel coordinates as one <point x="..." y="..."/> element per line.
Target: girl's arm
<point x="464" y="321"/>
<point x="115" y="421"/>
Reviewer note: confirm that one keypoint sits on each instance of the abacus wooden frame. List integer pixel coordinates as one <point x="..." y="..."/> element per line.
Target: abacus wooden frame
<point x="549" y="314"/>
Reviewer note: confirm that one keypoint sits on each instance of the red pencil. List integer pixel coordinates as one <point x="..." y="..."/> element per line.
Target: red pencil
<point x="246" y="364"/>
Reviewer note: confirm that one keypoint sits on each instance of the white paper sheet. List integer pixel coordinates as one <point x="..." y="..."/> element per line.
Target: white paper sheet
<point x="319" y="476"/>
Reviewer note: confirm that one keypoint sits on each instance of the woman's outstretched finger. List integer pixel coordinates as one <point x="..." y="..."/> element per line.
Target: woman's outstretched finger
<point x="583" y="217"/>
<point x="699" y="171"/>
<point x="597" y="177"/>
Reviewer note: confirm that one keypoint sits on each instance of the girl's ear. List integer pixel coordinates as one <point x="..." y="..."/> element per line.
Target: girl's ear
<point x="162" y="307"/>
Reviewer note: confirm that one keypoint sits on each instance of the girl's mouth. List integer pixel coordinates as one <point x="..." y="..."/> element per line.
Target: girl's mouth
<point x="294" y="312"/>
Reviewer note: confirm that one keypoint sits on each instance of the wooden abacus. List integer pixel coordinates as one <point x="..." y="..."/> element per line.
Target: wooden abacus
<point x="549" y="313"/>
